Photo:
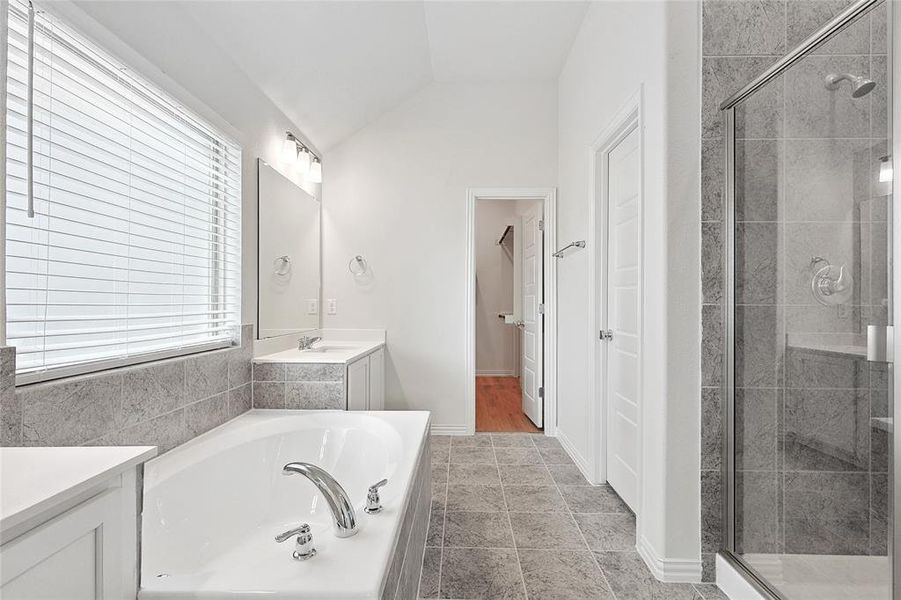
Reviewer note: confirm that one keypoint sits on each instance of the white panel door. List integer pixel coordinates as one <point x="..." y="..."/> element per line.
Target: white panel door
<point x="623" y="318"/>
<point x="533" y="320"/>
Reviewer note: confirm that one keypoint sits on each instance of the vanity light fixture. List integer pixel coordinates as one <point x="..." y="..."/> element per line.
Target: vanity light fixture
<point x="289" y="148"/>
<point x="303" y="160"/>
<point x="885" y="169"/>
<point x="307" y="162"/>
<point x="316" y="170"/>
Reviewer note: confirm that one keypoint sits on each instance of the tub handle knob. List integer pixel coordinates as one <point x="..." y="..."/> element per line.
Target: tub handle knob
<point x="373" y="502"/>
<point x="303" y="546"/>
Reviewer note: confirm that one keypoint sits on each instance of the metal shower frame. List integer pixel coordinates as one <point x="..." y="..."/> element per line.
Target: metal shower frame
<point x="829" y="30"/>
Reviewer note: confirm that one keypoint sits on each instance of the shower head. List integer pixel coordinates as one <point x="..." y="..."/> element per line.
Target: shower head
<point x="860" y="86"/>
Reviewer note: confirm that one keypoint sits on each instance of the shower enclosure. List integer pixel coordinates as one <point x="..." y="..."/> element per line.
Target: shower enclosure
<point x="809" y="410"/>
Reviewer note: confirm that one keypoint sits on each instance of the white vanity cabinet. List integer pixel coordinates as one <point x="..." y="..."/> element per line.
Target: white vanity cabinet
<point x="366" y="382"/>
<point x="69" y="536"/>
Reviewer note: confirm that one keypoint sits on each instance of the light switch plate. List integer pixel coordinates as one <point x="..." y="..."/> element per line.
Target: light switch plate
<point x="313" y="307"/>
<point x="332" y="306"/>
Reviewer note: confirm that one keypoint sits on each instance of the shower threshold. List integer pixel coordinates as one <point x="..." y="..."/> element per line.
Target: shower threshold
<point x="824" y="576"/>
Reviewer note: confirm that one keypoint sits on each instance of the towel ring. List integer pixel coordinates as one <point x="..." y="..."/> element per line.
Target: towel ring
<point x="357" y="266"/>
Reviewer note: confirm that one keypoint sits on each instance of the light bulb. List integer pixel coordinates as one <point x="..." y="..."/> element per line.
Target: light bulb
<point x="316" y="171"/>
<point x="289" y="149"/>
<point x="885" y="169"/>
<point x="303" y="161"/>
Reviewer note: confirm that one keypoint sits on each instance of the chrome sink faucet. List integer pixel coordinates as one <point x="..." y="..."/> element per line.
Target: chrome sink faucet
<point x="305" y="343"/>
<point x="343" y="517"/>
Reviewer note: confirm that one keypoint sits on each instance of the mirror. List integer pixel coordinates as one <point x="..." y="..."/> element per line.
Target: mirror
<point x="288" y="268"/>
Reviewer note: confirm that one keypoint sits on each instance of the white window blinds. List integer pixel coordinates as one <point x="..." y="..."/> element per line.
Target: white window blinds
<point x="133" y="252"/>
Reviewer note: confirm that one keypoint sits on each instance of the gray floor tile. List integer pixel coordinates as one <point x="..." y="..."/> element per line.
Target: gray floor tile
<point x="439" y="493"/>
<point x="555" y="456"/>
<point x="472" y="455"/>
<point x="525" y="475"/>
<point x="440" y="454"/>
<point x="512" y="440"/>
<point x="630" y="579"/>
<point x="543" y="441"/>
<point x="480" y="440"/>
<point x="488" y="574"/>
<point x="435" y="535"/>
<point x="476" y="498"/>
<point x="473" y="475"/>
<point x="562" y="575"/>
<point x="608" y="532"/>
<point x="592" y="499"/>
<point x="546" y="531"/>
<point x="439" y="474"/>
<point x="477" y="530"/>
<point x="517" y="456"/>
<point x="534" y="498"/>
<point x="440" y="441"/>
<point x="431" y="569"/>
<point x="567" y="475"/>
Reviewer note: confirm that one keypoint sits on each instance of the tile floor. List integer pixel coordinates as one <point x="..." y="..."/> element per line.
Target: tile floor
<point x="513" y="518"/>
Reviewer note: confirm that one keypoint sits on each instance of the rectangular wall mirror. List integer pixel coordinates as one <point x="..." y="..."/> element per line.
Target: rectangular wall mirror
<point x="289" y="256"/>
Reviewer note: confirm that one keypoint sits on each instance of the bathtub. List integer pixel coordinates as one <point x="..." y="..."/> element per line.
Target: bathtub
<point x="213" y="506"/>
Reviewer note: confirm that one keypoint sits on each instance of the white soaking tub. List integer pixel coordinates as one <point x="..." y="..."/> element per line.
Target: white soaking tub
<point x="213" y="506"/>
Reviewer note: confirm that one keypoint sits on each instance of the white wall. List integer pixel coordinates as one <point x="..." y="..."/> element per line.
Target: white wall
<point x="161" y="41"/>
<point x="496" y="346"/>
<point x="395" y="193"/>
<point x="608" y="64"/>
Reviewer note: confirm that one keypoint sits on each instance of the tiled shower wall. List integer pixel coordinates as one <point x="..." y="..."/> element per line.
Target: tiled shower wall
<point x="740" y="39"/>
<point x="164" y="403"/>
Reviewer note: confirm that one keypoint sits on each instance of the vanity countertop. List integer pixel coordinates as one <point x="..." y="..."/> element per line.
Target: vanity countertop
<point x="33" y="480"/>
<point x="326" y="351"/>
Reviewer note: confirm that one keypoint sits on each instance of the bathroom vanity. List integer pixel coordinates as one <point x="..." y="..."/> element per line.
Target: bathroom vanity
<point x="68" y="522"/>
<point x="337" y="374"/>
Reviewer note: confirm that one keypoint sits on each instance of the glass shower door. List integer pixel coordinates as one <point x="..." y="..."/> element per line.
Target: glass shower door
<point x="810" y="248"/>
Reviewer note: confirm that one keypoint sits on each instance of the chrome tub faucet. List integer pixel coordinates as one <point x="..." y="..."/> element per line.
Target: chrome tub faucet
<point x="343" y="517"/>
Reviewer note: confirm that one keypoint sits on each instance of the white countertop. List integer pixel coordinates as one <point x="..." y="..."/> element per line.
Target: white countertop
<point x="33" y="480"/>
<point x="326" y="351"/>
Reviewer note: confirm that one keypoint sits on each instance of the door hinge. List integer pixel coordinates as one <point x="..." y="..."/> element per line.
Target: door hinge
<point x="541" y="308"/>
<point x="540" y="224"/>
<point x="541" y="392"/>
<point x="605" y="335"/>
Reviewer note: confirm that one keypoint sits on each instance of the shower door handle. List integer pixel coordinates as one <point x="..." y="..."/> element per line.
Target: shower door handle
<point x="880" y="340"/>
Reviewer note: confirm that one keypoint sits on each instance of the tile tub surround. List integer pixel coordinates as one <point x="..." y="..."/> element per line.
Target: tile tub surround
<point x="791" y="147"/>
<point x="299" y="385"/>
<point x="163" y="403"/>
<point x="402" y="579"/>
<point x="512" y="517"/>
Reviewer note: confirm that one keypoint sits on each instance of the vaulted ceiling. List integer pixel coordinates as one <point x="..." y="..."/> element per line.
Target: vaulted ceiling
<point x="333" y="67"/>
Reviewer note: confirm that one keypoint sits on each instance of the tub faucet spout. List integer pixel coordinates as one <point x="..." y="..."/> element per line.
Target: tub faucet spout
<point x="343" y="517"/>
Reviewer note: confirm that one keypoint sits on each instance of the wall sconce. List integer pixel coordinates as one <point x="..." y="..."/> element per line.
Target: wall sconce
<point x="307" y="162"/>
<point x="885" y="169"/>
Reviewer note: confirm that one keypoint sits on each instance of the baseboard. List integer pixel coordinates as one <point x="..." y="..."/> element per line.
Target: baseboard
<point x="667" y="569"/>
<point x="581" y="461"/>
<point x="495" y="373"/>
<point x="436" y="429"/>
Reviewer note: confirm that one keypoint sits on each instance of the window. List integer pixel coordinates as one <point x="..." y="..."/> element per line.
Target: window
<point x="133" y="249"/>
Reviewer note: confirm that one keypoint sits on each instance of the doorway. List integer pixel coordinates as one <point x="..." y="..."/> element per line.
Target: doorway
<point x="617" y="272"/>
<point x="510" y="307"/>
